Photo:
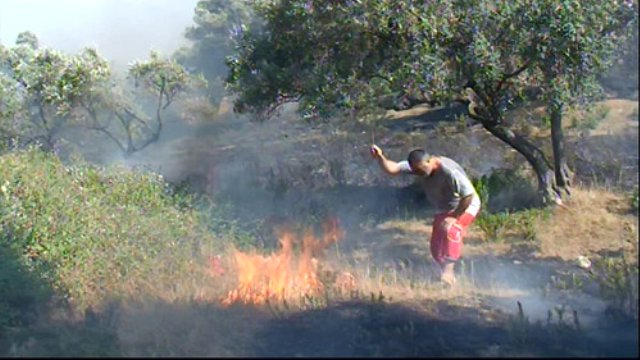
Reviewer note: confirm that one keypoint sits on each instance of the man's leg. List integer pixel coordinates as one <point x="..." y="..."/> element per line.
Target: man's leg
<point x="448" y="275"/>
<point x="438" y="242"/>
<point x="453" y="247"/>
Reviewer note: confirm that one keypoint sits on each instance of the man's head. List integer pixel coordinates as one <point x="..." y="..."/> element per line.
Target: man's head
<point x="421" y="162"/>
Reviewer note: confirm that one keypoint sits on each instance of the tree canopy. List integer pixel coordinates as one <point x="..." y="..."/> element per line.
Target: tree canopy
<point x="347" y="55"/>
<point x="216" y="26"/>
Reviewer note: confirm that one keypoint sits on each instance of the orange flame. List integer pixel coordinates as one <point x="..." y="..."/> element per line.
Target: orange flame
<point x="283" y="275"/>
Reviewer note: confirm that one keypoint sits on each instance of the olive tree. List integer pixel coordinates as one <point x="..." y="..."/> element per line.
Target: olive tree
<point x="347" y="55"/>
<point x="45" y="93"/>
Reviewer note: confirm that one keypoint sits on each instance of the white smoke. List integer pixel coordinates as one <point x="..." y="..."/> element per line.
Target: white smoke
<point x="121" y="30"/>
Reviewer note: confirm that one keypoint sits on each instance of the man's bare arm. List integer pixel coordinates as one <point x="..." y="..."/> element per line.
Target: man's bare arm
<point x="388" y="166"/>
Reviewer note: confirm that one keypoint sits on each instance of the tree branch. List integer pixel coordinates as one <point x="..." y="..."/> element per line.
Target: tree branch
<point x="110" y="135"/>
<point x="43" y="117"/>
<point x="513" y="74"/>
<point x="126" y="124"/>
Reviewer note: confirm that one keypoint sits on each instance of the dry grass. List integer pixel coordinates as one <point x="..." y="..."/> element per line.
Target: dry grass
<point x="596" y="220"/>
<point x="416" y="227"/>
<point x="415" y="111"/>
<point x="619" y="120"/>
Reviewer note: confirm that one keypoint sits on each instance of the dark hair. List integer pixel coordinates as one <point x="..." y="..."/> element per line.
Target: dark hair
<point x="417" y="155"/>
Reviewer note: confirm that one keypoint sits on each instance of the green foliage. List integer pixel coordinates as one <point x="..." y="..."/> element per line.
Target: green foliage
<point x="54" y="79"/>
<point x="21" y="290"/>
<point x="218" y="23"/>
<point x="618" y="281"/>
<point x="345" y="55"/>
<point x="89" y="232"/>
<point x="50" y="93"/>
<point x="482" y="188"/>
<point x="525" y="222"/>
<point x="579" y="43"/>
<point x="495" y="224"/>
<point x="27" y="38"/>
<point x="634" y="113"/>
<point x="633" y="200"/>
<point x="491" y="188"/>
<point x="229" y="230"/>
<point x="164" y="79"/>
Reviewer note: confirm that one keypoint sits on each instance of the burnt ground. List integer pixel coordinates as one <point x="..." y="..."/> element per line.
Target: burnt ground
<point x="358" y="328"/>
<point x="390" y="330"/>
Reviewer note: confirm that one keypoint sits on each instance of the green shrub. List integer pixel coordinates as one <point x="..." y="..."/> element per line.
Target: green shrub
<point x="90" y="232"/>
<point x="633" y="201"/>
<point x="482" y="188"/>
<point x="525" y="222"/>
<point x="220" y="221"/>
<point x="504" y="189"/>
<point x="493" y="226"/>
<point x="21" y="291"/>
<point x="618" y="281"/>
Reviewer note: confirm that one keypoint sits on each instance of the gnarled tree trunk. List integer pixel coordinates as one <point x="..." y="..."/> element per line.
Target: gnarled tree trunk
<point x="536" y="158"/>
<point x="562" y="174"/>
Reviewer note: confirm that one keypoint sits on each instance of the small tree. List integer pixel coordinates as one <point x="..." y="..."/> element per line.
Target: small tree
<point x="48" y="86"/>
<point x="579" y="44"/>
<point x="27" y="38"/>
<point x="46" y="93"/>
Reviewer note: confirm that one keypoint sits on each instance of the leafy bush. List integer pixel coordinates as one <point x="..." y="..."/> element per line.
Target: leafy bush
<point x="524" y="222"/>
<point x="596" y="115"/>
<point x="482" y="188"/>
<point x="493" y="226"/>
<point x="505" y="189"/>
<point x="89" y="232"/>
<point x="618" y="281"/>
<point x="493" y="223"/>
<point x="21" y="291"/>
<point x="633" y="201"/>
<point x="242" y="236"/>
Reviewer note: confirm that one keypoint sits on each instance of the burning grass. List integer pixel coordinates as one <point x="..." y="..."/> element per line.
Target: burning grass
<point x="288" y="274"/>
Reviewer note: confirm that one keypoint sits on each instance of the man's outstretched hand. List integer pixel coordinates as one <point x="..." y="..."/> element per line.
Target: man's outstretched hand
<point x="375" y="151"/>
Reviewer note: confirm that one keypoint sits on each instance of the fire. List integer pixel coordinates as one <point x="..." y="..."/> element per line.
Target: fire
<point x="285" y="274"/>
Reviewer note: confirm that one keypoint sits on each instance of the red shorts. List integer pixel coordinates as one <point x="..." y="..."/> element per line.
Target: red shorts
<point x="447" y="245"/>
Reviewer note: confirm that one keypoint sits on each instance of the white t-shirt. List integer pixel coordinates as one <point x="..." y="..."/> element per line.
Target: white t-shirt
<point x="446" y="187"/>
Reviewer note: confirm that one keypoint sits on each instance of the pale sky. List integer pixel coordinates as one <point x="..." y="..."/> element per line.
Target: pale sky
<point x="121" y="30"/>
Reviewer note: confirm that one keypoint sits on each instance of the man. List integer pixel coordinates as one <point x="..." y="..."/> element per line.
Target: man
<point x="449" y="189"/>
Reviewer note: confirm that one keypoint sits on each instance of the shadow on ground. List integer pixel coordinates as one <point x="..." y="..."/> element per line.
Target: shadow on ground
<point x="427" y="120"/>
<point x="355" y="328"/>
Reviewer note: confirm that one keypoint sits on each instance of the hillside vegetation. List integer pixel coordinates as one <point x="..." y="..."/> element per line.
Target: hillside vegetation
<point x="87" y="234"/>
